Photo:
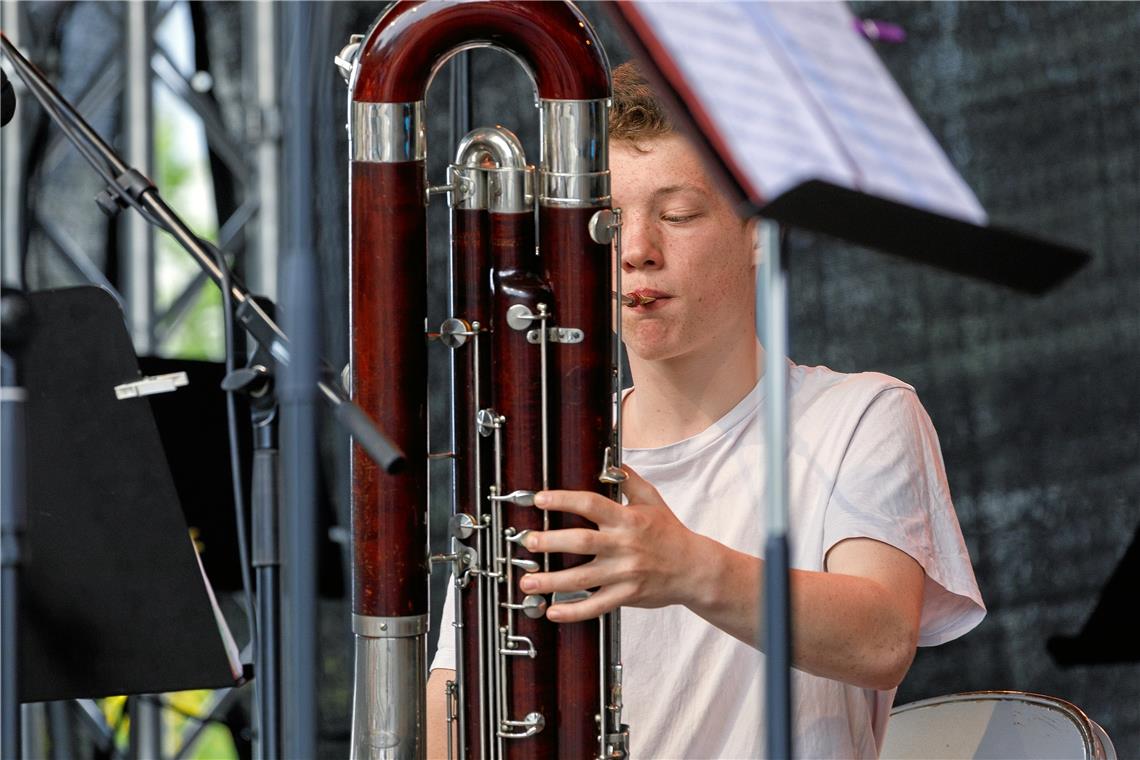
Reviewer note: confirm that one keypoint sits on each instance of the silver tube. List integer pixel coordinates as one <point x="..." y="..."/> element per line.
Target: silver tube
<point x="575" y="153"/>
<point x="618" y="339"/>
<point x="146" y="727"/>
<point x="481" y="578"/>
<point x="772" y="293"/>
<point x="500" y="673"/>
<point x="510" y="191"/>
<point x="387" y="133"/>
<point x="33" y="729"/>
<point x="389" y="709"/>
<point x="615" y="740"/>
<point x="139" y="290"/>
<point x="263" y="278"/>
<point x="12" y="158"/>
<point x="492" y="164"/>
<point x="498" y="144"/>
<point x="543" y="347"/>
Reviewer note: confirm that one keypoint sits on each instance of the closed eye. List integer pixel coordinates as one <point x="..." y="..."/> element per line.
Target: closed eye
<point x="678" y="218"/>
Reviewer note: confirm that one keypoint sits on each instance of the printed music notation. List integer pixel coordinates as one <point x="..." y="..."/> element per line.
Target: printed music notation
<point x="795" y="93"/>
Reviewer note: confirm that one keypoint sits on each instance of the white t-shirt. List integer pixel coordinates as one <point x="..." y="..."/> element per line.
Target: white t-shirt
<point x="864" y="462"/>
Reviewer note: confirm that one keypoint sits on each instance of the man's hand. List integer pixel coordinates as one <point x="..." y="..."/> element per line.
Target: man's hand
<point x="643" y="555"/>
<point x="856" y="622"/>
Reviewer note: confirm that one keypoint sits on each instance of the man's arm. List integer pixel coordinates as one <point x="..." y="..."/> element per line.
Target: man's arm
<point x="437" y="714"/>
<point x="857" y="622"/>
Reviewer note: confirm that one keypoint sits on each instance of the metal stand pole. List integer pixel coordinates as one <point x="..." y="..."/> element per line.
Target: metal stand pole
<point x="299" y="290"/>
<point x="299" y="454"/>
<point x="146" y="727"/>
<point x="772" y="303"/>
<point x="16" y="324"/>
<point x="33" y="732"/>
<point x="61" y="730"/>
<point x="256" y="382"/>
<point x="259" y="21"/>
<point x="266" y="563"/>
<point x="139" y="268"/>
<point x="12" y="523"/>
<point x="12" y="158"/>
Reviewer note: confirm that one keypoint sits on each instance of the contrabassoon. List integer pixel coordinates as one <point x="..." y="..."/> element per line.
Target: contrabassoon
<point x="535" y="384"/>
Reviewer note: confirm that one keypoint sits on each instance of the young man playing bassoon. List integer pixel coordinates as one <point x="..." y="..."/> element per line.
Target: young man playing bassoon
<point x="879" y="565"/>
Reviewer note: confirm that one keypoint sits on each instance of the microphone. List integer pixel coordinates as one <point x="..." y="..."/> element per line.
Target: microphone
<point x="7" y="99"/>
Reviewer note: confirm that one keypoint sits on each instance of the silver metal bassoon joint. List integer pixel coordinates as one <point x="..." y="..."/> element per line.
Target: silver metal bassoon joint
<point x="387" y="723"/>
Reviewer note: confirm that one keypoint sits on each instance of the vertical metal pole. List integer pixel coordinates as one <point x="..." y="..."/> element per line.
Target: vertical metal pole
<point x="60" y="729"/>
<point x="146" y="716"/>
<point x="12" y="523"/>
<point x="267" y="565"/>
<point x="261" y="40"/>
<point x="299" y="288"/>
<point x="12" y="198"/>
<point x="33" y="732"/>
<point x="146" y="727"/>
<point x="139" y="268"/>
<point x="772" y="297"/>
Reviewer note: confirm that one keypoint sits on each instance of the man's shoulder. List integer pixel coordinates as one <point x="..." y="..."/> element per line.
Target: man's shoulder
<point x="823" y="383"/>
<point x="837" y="401"/>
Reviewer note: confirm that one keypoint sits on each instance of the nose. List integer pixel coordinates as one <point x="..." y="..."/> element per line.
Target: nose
<point x="640" y="248"/>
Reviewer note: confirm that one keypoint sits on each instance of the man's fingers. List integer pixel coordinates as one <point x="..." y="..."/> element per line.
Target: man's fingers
<point x="592" y="506"/>
<point x="637" y="489"/>
<point x="573" y="579"/>
<point x="572" y="540"/>
<point x="598" y="603"/>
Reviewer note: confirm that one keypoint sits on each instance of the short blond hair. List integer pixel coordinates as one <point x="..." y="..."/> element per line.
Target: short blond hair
<point x="636" y="114"/>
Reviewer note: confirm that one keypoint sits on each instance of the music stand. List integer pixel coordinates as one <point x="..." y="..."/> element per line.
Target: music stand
<point x="114" y="599"/>
<point x="803" y="126"/>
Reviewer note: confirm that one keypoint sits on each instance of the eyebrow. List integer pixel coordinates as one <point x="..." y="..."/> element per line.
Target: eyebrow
<point x="673" y="189"/>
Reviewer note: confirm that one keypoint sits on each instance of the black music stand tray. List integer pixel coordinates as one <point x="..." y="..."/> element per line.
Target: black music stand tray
<point x="113" y="597"/>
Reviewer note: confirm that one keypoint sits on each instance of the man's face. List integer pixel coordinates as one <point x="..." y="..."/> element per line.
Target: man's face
<point x="683" y="244"/>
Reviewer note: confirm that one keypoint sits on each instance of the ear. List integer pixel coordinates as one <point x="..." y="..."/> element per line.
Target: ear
<point x="752" y="236"/>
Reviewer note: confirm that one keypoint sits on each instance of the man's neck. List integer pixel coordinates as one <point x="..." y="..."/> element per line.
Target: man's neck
<point x="675" y="399"/>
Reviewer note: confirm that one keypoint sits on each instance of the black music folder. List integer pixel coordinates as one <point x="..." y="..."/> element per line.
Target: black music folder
<point x="114" y="599"/>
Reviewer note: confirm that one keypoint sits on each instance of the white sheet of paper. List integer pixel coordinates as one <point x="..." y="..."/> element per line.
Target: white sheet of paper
<point x="796" y="94"/>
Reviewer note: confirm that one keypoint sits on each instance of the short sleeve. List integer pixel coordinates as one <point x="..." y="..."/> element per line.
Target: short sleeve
<point x="891" y="486"/>
<point x="445" y="648"/>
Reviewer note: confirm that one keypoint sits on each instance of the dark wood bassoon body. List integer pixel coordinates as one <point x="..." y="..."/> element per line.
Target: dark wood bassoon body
<point x="534" y="393"/>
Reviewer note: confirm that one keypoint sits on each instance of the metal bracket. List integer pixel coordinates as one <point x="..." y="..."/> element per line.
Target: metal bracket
<point x="557" y="335"/>
<point x="456" y="191"/>
<point x="345" y="60"/>
<point x="389" y="627"/>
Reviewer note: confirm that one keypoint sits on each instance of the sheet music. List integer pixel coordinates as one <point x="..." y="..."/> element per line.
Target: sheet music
<point x="228" y="643"/>
<point x="796" y="94"/>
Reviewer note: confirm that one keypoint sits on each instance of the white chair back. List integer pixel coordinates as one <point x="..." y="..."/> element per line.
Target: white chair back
<point x="1005" y="725"/>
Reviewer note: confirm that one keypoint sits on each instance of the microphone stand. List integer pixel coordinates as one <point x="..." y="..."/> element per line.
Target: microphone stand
<point x="128" y="187"/>
<point x="257" y="381"/>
